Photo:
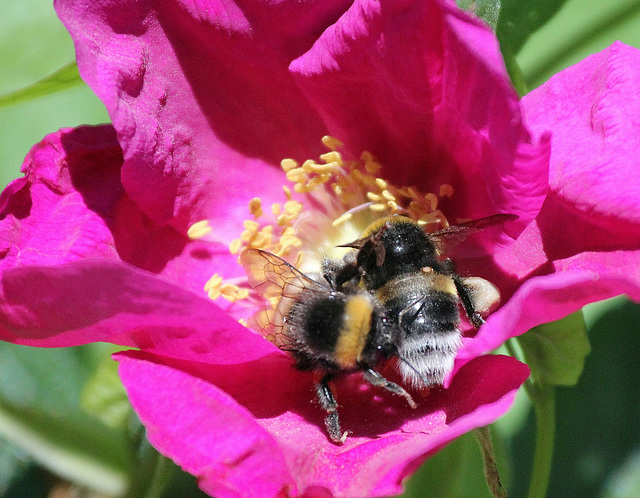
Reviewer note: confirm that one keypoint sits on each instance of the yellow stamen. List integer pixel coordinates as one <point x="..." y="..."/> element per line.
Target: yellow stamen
<point x="199" y="230"/>
<point x="341" y="219"/>
<point x="288" y="164"/>
<point x="214" y="281"/>
<point x="297" y="175"/>
<point x="255" y="207"/>
<point x="332" y="157"/>
<point x="381" y="183"/>
<point x="388" y="195"/>
<point x="446" y="190"/>
<point x="432" y="200"/>
<point x="235" y="245"/>
<point x="331" y="143"/>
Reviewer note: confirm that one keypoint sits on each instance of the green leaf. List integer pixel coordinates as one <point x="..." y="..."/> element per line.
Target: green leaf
<point x="40" y="412"/>
<point x="579" y="29"/>
<point x="63" y="78"/>
<point x="34" y="44"/>
<point x="556" y="351"/>
<point x="488" y="10"/>
<point x="519" y="19"/>
<point x="456" y="471"/>
<point x="104" y="396"/>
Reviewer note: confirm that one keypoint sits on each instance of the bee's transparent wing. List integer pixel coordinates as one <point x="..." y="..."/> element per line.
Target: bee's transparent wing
<point x="449" y="237"/>
<point x="283" y="285"/>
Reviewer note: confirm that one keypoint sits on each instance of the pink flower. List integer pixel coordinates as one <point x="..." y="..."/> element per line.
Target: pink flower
<point x="206" y="98"/>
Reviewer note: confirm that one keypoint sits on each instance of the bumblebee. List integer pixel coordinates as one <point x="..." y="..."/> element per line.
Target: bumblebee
<point x="403" y="267"/>
<point x="326" y="329"/>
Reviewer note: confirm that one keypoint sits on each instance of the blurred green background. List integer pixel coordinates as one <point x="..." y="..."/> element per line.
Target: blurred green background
<point x="64" y="417"/>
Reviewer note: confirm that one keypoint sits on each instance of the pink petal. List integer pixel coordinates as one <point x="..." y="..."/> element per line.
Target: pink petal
<point x="46" y="219"/>
<point x="200" y="96"/>
<point x="277" y="441"/>
<point x="71" y="205"/>
<point x="422" y="85"/>
<point x="591" y="217"/>
<point x="95" y="300"/>
<point x="593" y="110"/>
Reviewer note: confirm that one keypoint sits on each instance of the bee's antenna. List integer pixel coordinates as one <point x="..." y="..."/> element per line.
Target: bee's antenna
<point x="414" y="369"/>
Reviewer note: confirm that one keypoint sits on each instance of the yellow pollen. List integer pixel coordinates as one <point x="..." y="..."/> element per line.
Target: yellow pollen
<point x="213" y="282"/>
<point x="373" y="197"/>
<point x="446" y="190"/>
<point x="235" y="246"/>
<point x="297" y="175"/>
<point x="331" y="143"/>
<point x="275" y="208"/>
<point x="232" y="292"/>
<point x="332" y="157"/>
<point x="255" y="207"/>
<point x="381" y="183"/>
<point x="378" y="207"/>
<point x="288" y="164"/>
<point x="372" y="167"/>
<point x="341" y="219"/>
<point x="199" y="230"/>
<point x="251" y="225"/>
<point x="432" y="200"/>
<point x="292" y="207"/>
<point x="388" y="195"/>
<point x="287" y="192"/>
<point x="366" y="156"/>
<point x="321" y="168"/>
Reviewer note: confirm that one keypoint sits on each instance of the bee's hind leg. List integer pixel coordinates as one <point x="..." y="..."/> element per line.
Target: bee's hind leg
<point x="378" y="380"/>
<point x="329" y="404"/>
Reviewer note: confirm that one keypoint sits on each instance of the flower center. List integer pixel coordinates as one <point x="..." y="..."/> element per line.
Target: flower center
<point x="328" y="203"/>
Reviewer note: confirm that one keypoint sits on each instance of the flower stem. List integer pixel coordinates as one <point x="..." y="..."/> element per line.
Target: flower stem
<point x="544" y="402"/>
<point x="152" y="473"/>
<point x="491" y="473"/>
<point x="543" y="398"/>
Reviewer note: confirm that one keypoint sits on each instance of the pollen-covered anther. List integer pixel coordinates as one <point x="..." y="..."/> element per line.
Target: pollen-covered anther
<point x="235" y="246"/>
<point x="331" y="143"/>
<point x="333" y="157"/>
<point x="199" y="230"/>
<point x="288" y="164"/>
<point x="255" y="207"/>
<point x="233" y="293"/>
<point x="388" y="195"/>
<point x="342" y="218"/>
<point x="446" y="190"/>
<point x="383" y="184"/>
<point x="432" y="200"/>
<point x="297" y="175"/>
<point x="291" y="210"/>
<point x="212" y="287"/>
